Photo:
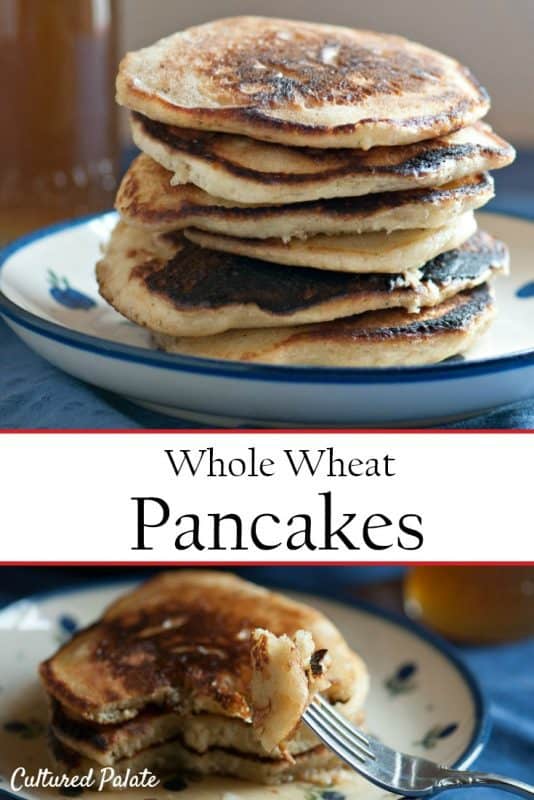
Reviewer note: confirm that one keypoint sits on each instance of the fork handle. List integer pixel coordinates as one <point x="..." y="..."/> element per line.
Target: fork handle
<point x="461" y="780"/>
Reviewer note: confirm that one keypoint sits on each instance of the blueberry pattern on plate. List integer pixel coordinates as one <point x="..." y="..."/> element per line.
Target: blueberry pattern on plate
<point x="63" y="293"/>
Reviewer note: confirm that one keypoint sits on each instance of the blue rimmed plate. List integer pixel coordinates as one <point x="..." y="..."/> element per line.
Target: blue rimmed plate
<point x="423" y="699"/>
<point x="48" y="295"/>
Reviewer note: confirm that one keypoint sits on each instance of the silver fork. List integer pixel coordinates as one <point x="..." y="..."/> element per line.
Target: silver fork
<point x="396" y="772"/>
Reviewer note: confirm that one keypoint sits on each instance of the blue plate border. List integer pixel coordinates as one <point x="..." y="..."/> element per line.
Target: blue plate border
<point x="234" y="369"/>
<point x="482" y="723"/>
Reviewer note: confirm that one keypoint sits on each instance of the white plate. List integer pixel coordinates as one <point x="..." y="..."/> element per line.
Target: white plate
<point x="422" y="700"/>
<point x="50" y="299"/>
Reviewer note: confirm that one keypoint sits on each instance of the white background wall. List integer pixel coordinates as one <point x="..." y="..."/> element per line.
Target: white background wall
<point x="493" y="37"/>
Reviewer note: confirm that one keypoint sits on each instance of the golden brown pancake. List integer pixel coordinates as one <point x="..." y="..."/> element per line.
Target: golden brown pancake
<point x="401" y="251"/>
<point x="166" y="742"/>
<point x="246" y="171"/>
<point x="376" y="339"/>
<point x="172" y="286"/>
<point x="300" y="83"/>
<point x="181" y="641"/>
<point x="163" y="682"/>
<point x="147" y="199"/>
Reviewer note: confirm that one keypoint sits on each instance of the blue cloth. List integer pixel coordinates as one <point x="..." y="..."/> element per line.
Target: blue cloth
<point x="33" y="394"/>
<point x="505" y="672"/>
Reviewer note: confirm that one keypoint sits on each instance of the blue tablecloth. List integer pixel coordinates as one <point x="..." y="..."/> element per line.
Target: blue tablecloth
<point x="505" y="672"/>
<point x="34" y="394"/>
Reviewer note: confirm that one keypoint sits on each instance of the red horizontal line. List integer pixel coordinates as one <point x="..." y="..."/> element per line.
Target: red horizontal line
<point x="238" y="564"/>
<point x="267" y="431"/>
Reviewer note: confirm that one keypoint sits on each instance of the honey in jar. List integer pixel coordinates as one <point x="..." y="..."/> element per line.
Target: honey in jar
<point x="476" y="605"/>
<point x="58" y="138"/>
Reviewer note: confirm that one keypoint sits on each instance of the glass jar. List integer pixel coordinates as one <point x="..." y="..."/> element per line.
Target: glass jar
<point x="472" y="604"/>
<point x="59" y="137"/>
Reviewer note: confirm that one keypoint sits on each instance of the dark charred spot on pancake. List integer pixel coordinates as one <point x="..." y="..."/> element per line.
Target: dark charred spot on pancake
<point x="180" y="650"/>
<point x="81" y="730"/>
<point x="201" y="278"/>
<point x="431" y="159"/>
<point x="63" y="754"/>
<point x="453" y="316"/>
<point x="275" y="68"/>
<point x="101" y="737"/>
<point x="348" y="207"/>
<point x="198" y="278"/>
<point x="369" y="204"/>
<point x="233" y="751"/>
<point x="147" y="268"/>
<point x="71" y="760"/>
<point x="405" y="160"/>
<point x="431" y="124"/>
<point x="468" y="262"/>
<point x="58" y="688"/>
<point x="343" y="207"/>
<point x="184" y="139"/>
<point x="316" y="662"/>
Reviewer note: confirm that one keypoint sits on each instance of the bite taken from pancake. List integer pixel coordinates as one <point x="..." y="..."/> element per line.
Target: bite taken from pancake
<point x="305" y="195"/>
<point x="200" y="670"/>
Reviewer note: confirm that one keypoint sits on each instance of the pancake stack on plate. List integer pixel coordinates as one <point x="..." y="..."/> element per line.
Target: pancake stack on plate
<point x="163" y="682"/>
<point x="305" y="195"/>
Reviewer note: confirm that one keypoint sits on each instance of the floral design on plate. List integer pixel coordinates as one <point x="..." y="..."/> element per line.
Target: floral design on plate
<point x="526" y="291"/>
<point x="178" y="783"/>
<point x="323" y="794"/>
<point x="63" y="293"/>
<point x="67" y="625"/>
<point x="437" y="732"/>
<point x="402" y="680"/>
<point x="71" y="791"/>
<point x="31" y="728"/>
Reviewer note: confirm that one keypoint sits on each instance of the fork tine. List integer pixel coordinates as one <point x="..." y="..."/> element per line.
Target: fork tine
<point x="345" y="734"/>
<point x="323" y="730"/>
<point x="340" y="720"/>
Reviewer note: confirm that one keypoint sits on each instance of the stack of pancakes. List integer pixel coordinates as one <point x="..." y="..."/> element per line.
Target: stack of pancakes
<point x="305" y="195"/>
<point x="163" y="682"/>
